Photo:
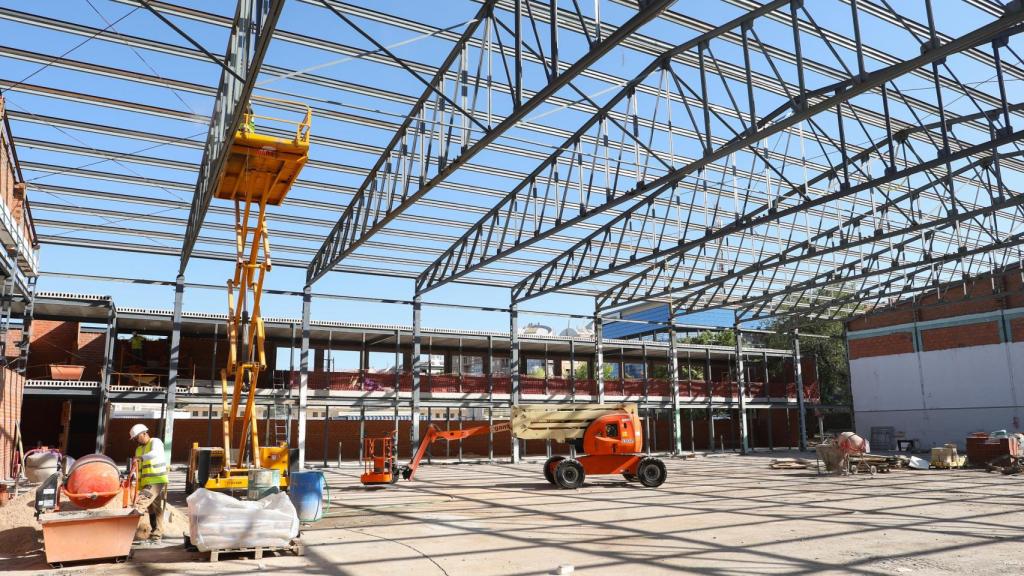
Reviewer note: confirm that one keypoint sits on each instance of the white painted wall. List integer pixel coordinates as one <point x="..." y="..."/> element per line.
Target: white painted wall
<point x="941" y="396"/>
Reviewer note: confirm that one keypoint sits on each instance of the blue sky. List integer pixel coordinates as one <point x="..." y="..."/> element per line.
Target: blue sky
<point x="156" y="178"/>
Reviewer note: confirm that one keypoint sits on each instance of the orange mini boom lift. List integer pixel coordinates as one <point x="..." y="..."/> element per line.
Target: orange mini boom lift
<point x="378" y="462"/>
<point x="607" y="439"/>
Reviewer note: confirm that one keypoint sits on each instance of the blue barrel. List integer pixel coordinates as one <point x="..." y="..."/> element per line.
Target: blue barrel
<point x="306" y="491"/>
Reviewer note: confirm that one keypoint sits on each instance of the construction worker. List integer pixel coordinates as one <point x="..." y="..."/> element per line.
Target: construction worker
<point x="249" y="121"/>
<point x="137" y="343"/>
<point x="152" y="479"/>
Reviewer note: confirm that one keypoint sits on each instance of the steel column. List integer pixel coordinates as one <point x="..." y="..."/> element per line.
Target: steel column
<point x="798" y="374"/>
<point x="109" y="337"/>
<point x="172" y="372"/>
<point x="599" y="357"/>
<point x="414" y="399"/>
<point x="307" y="301"/>
<point x="513" y="318"/>
<point x="741" y="390"/>
<point x="673" y="374"/>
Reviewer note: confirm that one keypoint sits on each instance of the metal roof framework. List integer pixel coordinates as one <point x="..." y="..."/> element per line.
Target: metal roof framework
<point x="814" y="157"/>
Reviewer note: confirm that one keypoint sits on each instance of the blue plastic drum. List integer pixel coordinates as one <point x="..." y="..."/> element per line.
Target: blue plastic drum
<point x="306" y="491"/>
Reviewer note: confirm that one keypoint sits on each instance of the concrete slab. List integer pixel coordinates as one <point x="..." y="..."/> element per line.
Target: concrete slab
<point x="725" y="515"/>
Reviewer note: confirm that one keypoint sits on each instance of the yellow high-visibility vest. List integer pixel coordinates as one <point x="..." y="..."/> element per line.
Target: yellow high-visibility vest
<point x="153" y="471"/>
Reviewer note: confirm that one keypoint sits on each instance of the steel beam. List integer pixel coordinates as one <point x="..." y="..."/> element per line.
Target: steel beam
<point x="567" y="269"/>
<point x="362" y="218"/>
<point x="243" y="58"/>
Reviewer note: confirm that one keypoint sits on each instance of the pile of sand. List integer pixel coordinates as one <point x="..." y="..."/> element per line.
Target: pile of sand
<point x="175" y="524"/>
<point x="19" y="530"/>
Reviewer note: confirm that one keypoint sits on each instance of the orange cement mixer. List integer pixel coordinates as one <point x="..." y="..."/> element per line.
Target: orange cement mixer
<point x="92" y="481"/>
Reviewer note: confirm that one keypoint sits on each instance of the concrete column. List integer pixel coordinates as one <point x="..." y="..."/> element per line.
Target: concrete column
<point x="307" y="300"/>
<point x="513" y="318"/>
<point x="599" y="358"/>
<point x="172" y="372"/>
<point x="798" y="373"/>
<point x="414" y="400"/>
<point x="741" y="379"/>
<point x="673" y="375"/>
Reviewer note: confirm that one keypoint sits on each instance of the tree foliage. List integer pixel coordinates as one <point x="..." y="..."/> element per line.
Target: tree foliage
<point x="830" y="354"/>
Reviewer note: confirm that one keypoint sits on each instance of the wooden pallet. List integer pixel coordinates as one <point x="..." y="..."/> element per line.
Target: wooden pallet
<point x="295" y="547"/>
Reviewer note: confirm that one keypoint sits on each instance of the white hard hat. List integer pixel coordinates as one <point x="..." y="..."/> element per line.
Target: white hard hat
<point x="138" y="429"/>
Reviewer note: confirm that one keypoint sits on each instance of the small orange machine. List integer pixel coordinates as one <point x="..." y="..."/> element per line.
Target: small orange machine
<point x="90" y="533"/>
<point x="378" y="461"/>
<point x="607" y="440"/>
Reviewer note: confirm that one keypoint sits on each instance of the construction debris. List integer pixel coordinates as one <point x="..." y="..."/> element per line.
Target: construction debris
<point x="792" y="464"/>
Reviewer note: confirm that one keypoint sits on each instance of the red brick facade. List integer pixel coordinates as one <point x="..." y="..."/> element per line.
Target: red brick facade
<point x="11" y="393"/>
<point x="960" y="336"/>
<point x="980" y="296"/>
<point x="898" y="343"/>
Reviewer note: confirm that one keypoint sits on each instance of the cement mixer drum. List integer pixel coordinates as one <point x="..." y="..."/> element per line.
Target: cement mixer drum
<point x="92" y="482"/>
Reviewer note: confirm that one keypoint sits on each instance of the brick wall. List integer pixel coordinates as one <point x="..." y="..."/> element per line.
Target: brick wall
<point x="53" y="342"/>
<point x="898" y="343"/>
<point x="959" y="299"/>
<point x="13" y="386"/>
<point x="979" y="334"/>
<point x="90" y="353"/>
<point x="881" y="319"/>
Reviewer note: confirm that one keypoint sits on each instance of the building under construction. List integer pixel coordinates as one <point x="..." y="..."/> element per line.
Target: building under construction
<point x="760" y="223"/>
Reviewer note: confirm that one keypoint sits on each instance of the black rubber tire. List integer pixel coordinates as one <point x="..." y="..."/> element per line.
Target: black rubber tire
<point x="651" y="472"/>
<point x="569" y="474"/>
<point x="549" y="468"/>
<point x="630" y="477"/>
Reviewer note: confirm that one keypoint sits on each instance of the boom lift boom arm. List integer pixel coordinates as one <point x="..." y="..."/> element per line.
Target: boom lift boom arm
<point x="433" y="434"/>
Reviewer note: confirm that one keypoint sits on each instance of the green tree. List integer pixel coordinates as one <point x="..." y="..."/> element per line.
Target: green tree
<point x="712" y="338"/>
<point x="830" y="353"/>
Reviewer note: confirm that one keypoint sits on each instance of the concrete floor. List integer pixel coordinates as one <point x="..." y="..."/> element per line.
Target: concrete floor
<point x="722" y="514"/>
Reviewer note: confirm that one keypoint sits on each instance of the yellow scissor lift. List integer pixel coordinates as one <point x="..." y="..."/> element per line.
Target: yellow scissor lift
<point x="259" y="171"/>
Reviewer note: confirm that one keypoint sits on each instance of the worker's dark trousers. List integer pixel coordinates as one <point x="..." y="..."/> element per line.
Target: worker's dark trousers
<point x="153" y="499"/>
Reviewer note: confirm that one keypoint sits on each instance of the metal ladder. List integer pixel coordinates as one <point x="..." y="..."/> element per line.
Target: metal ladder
<point x="279" y="417"/>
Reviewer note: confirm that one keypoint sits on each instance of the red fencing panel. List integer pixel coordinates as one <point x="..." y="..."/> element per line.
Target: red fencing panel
<point x="586" y="386"/>
<point x="559" y="386"/>
<point x="475" y="384"/>
<point x="531" y="385"/>
<point x="502" y="384"/>
<point x="659" y="387"/>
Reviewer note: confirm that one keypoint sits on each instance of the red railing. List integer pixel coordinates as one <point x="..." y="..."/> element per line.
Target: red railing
<point x="531" y="385"/>
<point x="478" y="384"/>
<point x="586" y="387"/>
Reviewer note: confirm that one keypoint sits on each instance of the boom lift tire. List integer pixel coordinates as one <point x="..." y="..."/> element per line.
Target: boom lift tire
<point x="630" y="477"/>
<point x="651" y="472"/>
<point x="569" y="474"/>
<point x="549" y="468"/>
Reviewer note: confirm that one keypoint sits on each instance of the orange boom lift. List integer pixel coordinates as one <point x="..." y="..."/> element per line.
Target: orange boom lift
<point x="607" y="439"/>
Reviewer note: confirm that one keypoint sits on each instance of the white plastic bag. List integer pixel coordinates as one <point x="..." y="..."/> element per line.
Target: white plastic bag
<point x="218" y="521"/>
